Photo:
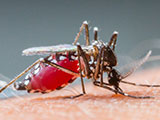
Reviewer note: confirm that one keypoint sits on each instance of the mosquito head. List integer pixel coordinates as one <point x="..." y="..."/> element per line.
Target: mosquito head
<point x="110" y="58"/>
<point x="114" y="78"/>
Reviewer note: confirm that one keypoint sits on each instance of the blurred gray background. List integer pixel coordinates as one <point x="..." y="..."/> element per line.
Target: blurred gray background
<point x="30" y="23"/>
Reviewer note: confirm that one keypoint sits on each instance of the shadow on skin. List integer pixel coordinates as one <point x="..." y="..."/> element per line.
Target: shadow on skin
<point x="93" y="97"/>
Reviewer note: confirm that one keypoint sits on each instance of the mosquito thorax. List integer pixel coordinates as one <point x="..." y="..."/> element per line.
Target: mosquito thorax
<point x="110" y="58"/>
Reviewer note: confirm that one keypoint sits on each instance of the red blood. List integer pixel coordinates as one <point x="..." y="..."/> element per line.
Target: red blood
<point x="51" y="78"/>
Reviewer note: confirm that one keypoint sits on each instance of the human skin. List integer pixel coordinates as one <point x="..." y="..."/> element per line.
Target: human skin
<point x="98" y="103"/>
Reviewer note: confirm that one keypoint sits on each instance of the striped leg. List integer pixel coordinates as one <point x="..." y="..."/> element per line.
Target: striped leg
<point x="113" y="40"/>
<point x="106" y="86"/>
<point x="84" y="25"/>
<point x="95" y="31"/>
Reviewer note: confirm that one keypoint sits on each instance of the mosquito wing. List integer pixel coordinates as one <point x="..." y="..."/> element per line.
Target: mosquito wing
<point x="47" y="50"/>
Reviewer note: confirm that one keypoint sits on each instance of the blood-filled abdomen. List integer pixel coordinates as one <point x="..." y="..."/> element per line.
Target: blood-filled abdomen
<point x="45" y="78"/>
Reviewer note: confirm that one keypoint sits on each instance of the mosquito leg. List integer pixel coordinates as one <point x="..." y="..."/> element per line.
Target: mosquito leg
<point x="80" y="70"/>
<point x="121" y="92"/>
<point x="84" y="25"/>
<point x="40" y="60"/>
<point x="69" y="72"/>
<point x="80" y="53"/>
<point x="95" y="30"/>
<point x="136" y="84"/>
<point x="97" y="69"/>
<point x="87" y="33"/>
<point x="21" y="74"/>
<point x="87" y="73"/>
<point x="132" y="96"/>
<point x="87" y="70"/>
<point x="86" y="64"/>
<point x="98" y="82"/>
<point x="113" y="40"/>
<point x="102" y="66"/>
<point x="78" y="34"/>
<point x="61" y="68"/>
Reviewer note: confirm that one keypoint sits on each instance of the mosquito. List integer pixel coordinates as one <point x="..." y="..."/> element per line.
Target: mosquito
<point x="67" y="62"/>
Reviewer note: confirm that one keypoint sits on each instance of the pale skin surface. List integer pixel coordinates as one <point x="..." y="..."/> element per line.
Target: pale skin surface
<point x="98" y="103"/>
